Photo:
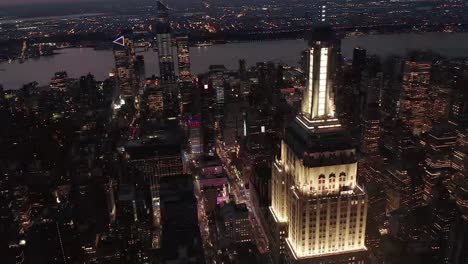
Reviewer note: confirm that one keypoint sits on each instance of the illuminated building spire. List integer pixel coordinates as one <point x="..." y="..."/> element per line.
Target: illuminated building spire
<point x="318" y="102"/>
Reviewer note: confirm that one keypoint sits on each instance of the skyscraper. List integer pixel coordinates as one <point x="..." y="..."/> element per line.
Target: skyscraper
<point x="181" y="238"/>
<point x="359" y="61"/>
<point x="154" y="97"/>
<point x="183" y="56"/>
<point x="458" y="183"/>
<point x="125" y="69"/>
<point x="318" y="209"/>
<point x="459" y="101"/>
<point x="414" y="99"/>
<point x="164" y="44"/>
<point x="194" y="135"/>
<point x="236" y="223"/>
<point x="439" y="142"/>
<point x="156" y="156"/>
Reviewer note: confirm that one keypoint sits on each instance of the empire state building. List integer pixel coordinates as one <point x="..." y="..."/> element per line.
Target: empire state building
<point x="318" y="210"/>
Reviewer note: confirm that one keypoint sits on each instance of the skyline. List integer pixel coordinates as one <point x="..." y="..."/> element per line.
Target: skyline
<point x="234" y="131"/>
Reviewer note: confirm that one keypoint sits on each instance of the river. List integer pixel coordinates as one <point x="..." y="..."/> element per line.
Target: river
<point x="80" y="61"/>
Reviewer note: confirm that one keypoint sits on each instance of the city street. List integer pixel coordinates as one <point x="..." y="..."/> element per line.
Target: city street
<point x="241" y="195"/>
<point x="208" y="232"/>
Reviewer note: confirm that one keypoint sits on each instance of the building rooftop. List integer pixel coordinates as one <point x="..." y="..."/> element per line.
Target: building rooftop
<point x="159" y="141"/>
<point x="308" y="143"/>
<point x="233" y="211"/>
<point x="181" y="237"/>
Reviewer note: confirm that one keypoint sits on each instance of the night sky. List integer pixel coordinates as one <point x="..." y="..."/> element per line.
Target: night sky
<point x="18" y="2"/>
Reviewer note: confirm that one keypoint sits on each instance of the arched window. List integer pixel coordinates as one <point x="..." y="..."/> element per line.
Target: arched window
<point x="321" y="182"/>
<point x="342" y="179"/>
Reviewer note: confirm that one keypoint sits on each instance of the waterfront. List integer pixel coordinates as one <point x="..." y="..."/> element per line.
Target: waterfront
<point x="80" y="61"/>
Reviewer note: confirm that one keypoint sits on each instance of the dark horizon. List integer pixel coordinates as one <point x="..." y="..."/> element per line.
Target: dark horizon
<point x="38" y="2"/>
<point x="234" y="131"/>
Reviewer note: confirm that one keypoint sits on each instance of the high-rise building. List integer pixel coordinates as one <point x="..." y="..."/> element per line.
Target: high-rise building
<point x="414" y="100"/>
<point x="439" y="142"/>
<point x="391" y="92"/>
<point x="458" y="185"/>
<point x="319" y="211"/>
<point x="157" y="156"/>
<point x="232" y="122"/>
<point x="181" y="238"/>
<point x="185" y="84"/>
<point x="207" y="111"/>
<point x="259" y="135"/>
<point x="268" y="81"/>
<point x="59" y="81"/>
<point x="236" y="223"/>
<point x="402" y="170"/>
<point x="186" y="97"/>
<point x="217" y="78"/>
<point x="260" y="186"/>
<point x="183" y="56"/>
<point x="213" y="183"/>
<point x="371" y="131"/>
<point x="126" y="69"/>
<point x="242" y="69"/>
<point x="398" y="188"/>
<point x="194" y="136"/>
<point x="154" y="97"/>
<point x="164" y="44"/>
<point x="459" y="101"/>
<point x="366" y="87"/>
<point x="440" y="98"/>
<point x="359" y="59"/>
<point x="458" y="242"/>
<point x="88" y="91"/>
<point x="444" y="215"/>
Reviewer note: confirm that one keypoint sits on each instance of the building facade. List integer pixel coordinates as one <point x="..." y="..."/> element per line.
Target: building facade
<point x="183" y="56"/>
<point x="125" y="69"/>
<point x="236" y="223"/>
<point x="164" y="44"/>
<point x="414" y="101"/>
